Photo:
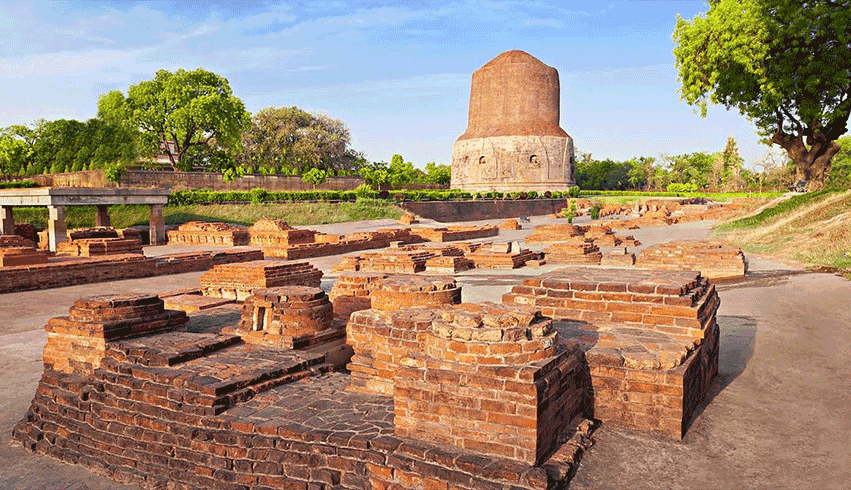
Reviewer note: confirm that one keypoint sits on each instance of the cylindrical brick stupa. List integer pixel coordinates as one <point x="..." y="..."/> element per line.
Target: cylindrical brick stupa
<point x="513" y="140"/>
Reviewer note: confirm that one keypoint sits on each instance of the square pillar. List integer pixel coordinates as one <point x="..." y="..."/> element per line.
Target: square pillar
<point x="157" y="225"/>
<point x="102" y="218"/>
<point x="7" y="221"/>
<point x="55" y="226"/>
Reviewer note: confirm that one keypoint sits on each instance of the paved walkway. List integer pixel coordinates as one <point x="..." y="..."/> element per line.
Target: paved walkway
<point x="779" y="415"/>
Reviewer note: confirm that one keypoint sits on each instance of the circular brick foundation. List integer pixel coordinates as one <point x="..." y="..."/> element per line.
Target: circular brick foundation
<point x="406" y="291"/>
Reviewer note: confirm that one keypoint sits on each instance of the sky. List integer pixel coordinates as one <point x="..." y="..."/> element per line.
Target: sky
<point x="397" y="73"/>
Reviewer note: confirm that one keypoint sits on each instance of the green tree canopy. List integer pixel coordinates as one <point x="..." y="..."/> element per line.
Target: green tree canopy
<point x="177" y="111"/>
<point x="289" y="140"/>
<point x="784" y="64"/>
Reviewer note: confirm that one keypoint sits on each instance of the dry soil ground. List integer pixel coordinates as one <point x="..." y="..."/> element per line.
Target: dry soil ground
<point x="779" y="415"/>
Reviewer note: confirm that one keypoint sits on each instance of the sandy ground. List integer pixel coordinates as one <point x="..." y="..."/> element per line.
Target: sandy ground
<point x="778" y="416"/>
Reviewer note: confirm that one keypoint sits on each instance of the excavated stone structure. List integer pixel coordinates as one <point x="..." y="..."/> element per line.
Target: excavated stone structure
<point x="513" y="139"/>
<point x="239" y="281"/>
<point x="201" y="233"/>
<point x="618" y="258"/>
<point x="454" y="233"/>
<point x="553" y="233"/>
<point x="502" y="256"/>
<point x="16" y="256"/>
<point x="378" y="347"/>
<point x="77" y="343"/>
<point x="714" y="259"/>
<point x="274" y="232"/>
<point x="351" y="292"/>
<point x="491" y="379"/>
<point x="650" y="339"/>
<point x="578" y="250"/>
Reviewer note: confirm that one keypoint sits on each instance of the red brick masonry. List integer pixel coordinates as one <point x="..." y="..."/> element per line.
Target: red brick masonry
<point x="650" y="337"/>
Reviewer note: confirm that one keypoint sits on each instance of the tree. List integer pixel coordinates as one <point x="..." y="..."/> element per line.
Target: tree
<point x="177" y="111"/>
<point x="840" y="169"/>
<point x="315" y="176"/>
<point x="781" y="63"/>
<point x="438" y="174"/>
<point x="375" y="174"/>
<point x="289" y="140"/>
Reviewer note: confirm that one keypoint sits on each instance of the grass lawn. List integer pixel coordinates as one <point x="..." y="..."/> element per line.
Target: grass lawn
<point x="296" y="214"/>
<point x="814" y="228"/>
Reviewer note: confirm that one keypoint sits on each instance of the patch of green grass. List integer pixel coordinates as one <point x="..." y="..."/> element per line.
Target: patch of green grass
<point x="778" y="209"/>
<point x="296" y="214"/>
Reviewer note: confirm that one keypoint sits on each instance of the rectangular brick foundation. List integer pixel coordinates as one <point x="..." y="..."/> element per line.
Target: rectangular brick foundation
<point x="238" y="281"/>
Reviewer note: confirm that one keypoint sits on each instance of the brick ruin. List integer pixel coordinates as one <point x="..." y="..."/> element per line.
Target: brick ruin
<point x="381" y="338"/>
<point x="15" y="250"/>
<point x="650" y="339"/>
<point x="553" y="233"/>
<point x="455" y="233"/>
<point x="510" y="224"/>
<point x="289" y="317"/>
<point x="324" y="245"/>
<point x="576" y="250"/>
<point x="351" y="292"/>
<point x="239" y="280"/>
<point x="502" y="256"/>
<point x="67" y="271"/>
<point x="714" y="259"/>
<point x="618" y="258"/>
<point x="161" y="406"/>
<point x="77" y="343"/>
<point x="277" y="233"/>
<point x="411" y="259"/>
<point x="490" y="379"/>
<point x="202" y="233"/>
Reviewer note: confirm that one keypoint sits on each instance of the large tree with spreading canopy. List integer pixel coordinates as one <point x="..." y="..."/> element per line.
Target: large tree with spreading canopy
<point x="784" y="64"/>
<point x="180" y="112"/>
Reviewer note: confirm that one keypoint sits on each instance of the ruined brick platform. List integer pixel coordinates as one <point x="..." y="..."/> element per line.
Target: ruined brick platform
<point x="202" y="233"/>
<point x="455" y="233"/>
<point x="185" y="410"/>
<point x="401" y="291"/>
<point x="392" y="329"/>
<point x="501" y="256"/>
<point x="339" y="244"/>
<point x="714" y="259"/>
<point x="68" y="271"/>
<point x="578" y="250"/>
<point x="618" y="258"/>
<point x="391" y="260"/>
<point x="290" y="317"/>
<point x="93" y="247"/>
<point x="491" y="379"/>
<point x="77" y="343"/>
<point x="553" y="233"/>
<point x="239" y="281"/>
<point x="351" y="292"/>
<point x="10" y="241"/>
<point x="651" y="339"/>
<point x="275" y="232"/>
<point x="17" y="256"/>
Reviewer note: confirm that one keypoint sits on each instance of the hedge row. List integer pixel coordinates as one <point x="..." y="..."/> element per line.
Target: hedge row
<point x="256" y="196"/>
<point x="715" y="195"/>
<point x="19" y="184"/>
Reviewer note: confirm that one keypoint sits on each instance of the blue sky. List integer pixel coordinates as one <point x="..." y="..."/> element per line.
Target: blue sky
<point x="398" y="73"/>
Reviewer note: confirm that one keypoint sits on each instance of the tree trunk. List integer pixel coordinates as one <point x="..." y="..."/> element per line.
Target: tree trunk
<point x="811" y="164"/>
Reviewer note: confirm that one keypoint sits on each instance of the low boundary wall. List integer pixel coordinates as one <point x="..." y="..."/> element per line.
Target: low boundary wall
<point x="452" y="211"/>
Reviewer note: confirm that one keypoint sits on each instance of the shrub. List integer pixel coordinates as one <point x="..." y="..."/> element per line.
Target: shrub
<point x="364" y="191"/>
<point x="19" y="184"/>
<point x="548" y="194"/>
<point x="573" y="192"/>
<point x="595" y="212"/>
<point x="677" y="187"/>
